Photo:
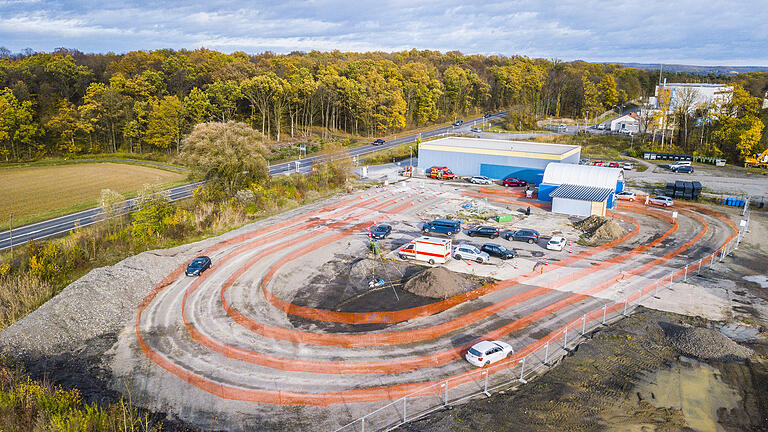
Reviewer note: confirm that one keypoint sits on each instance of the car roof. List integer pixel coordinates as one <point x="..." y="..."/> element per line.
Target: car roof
<point x="557" y="238"/>
<point x="484" y="345"/>
<point x="492" y="244"/>
<point x="466" y="245"/>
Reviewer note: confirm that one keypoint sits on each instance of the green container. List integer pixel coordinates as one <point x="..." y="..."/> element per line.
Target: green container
<point x="505" y="218"/>
<point x="376" y="248"/>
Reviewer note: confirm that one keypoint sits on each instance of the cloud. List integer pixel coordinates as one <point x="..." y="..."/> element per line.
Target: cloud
<point x="687" y="31"/>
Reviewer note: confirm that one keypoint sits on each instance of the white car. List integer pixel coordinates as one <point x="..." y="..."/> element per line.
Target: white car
<point x="470" y="252"/>
<point x="556" y="243"/>
<point x="481" y="180"/>
<point x="661" y="200"/>
<point x="626" y="195"/>
<point x="486" y="352"/>
<point x="628" y="166"/>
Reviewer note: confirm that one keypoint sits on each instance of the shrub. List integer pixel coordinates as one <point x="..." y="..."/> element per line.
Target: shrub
<point x="45" y="265"/>
<point x="150" y="218"/>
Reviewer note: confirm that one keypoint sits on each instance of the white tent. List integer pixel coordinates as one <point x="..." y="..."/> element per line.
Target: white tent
<point x="582" y="175"/>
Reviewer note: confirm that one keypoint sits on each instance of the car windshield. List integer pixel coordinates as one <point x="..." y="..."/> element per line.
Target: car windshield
<point x="381" y="228"/>
<point x="197" y="263"/>
<point x="501" y="249"/>
<point x="475" y="352"/>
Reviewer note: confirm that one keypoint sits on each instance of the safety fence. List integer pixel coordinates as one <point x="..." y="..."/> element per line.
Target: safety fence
<point x="532" y="359"/>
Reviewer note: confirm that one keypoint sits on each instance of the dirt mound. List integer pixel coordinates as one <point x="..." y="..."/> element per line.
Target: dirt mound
<point x="599" y="229"/>
<point x="437" y="282"/>
<point x="704" y="343"/>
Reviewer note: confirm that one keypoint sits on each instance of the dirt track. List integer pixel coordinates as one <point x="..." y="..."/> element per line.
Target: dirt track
<point x="230" y="334"/>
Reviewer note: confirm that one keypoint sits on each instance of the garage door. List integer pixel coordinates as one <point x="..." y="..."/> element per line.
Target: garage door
<point x="571" y="207"/>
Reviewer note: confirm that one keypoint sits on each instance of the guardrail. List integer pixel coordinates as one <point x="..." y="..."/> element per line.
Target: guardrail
<point x="529" y="361"/>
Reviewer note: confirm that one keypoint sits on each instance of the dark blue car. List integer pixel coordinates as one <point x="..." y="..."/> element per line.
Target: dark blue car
<point x="198" y="266"/>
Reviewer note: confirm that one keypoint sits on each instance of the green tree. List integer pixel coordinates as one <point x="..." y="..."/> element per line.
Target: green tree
<point x="17" y="126"/>
<point x="228" y="153"/>
<point x="738" y="127"/>
<point x="223" y="96"/>
<point x="149" y="220"/>
<point x="166" y="123"/>
<point x="197" y="106"/>
<point x="67" y="123"/>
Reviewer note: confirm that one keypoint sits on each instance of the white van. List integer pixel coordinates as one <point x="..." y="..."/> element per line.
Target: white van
<point x="678" y="164"/>
<point x="430" y="249"/>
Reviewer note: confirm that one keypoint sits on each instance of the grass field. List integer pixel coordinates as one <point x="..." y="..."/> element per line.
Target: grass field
<point x="36" y="193"/>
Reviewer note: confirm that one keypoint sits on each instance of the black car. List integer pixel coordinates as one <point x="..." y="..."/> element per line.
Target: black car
<point x="378" y="142"/>
<point x="198" y="266"/>
<point x="684" y="169"/>
<point x="483" y="231"/>
<point x="381" y="231"/>
<point x="487" y="115"/>
<point x="496" y="250"/>
<point x="526" y="235"/>
<point x="458" y="122"/>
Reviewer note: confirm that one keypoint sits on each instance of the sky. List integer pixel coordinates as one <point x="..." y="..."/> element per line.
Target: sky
<point x="698" y="32"/>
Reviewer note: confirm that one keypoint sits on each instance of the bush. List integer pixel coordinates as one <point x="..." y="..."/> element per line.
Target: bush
<point x="149" y="220"/>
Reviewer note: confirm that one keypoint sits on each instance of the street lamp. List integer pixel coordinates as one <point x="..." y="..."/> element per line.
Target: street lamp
<point x="410" y="161"/>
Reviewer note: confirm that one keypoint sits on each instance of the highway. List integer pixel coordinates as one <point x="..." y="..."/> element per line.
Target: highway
<point x="64" y="224"/>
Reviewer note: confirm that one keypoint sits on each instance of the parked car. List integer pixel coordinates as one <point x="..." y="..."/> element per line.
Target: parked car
<point x="381" y="231"/>
<point x="626" y="132"/>
<point x="601" y="126"/>
<point x="613" y="165"/>
<point x="597" y="163"/>
<point x="378" y="142"/>
<point x="497" y="250"/>
<point x="483" y="231"/>
<point x="442" y="226"/>
<point x="678" y="164"/>
<point x="628" y="166"/>
<point x="556" y="243"/>
<point x="198" y="266"/>
<point x="526" y="235"/>
<point x="476" y="130"/>
<point x="687" y="169"/>
<point x="584" y="161"/>
<point x="562" y="128"/>
<point x="481" y="180"/>
<point x="513" y="182"/>
<point x="486" y="352"/>
<point x="626" y="195"/>
<point x="458" y="123"/>
<point x="661" y="200"/>
<point x="487" y="115"/>
<point x="470" y="252"/>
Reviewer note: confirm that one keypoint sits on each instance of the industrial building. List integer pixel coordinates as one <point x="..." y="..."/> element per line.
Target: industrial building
<point x="496" y="158"/>
<point x="581" y="190"/>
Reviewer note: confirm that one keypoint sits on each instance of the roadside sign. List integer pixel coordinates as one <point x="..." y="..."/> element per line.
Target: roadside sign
<point x="674" y="215"/>
<point x="743" y="223"/>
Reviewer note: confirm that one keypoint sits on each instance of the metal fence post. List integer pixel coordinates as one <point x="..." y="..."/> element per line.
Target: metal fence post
<point x="583" y="324"/>
<point x="445" y="396"/>
<point x="698" y="270"/>
<point x="685" y="276"/>
<point x="605" y="309"/>
<point x="546" y="352"/>
<point x="626" y="299"/>
<point x="656" y="290"/>
<point x="405" y="412"/>
<point x="565" y="338"/>
<point x="485" y="388"/>
<point x="362" y="420"/>
<point x="522" y="371"/>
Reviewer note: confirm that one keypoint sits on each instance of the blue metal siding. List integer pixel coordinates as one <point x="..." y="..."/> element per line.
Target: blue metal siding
<point x="545" y="190"/>
<point x="531" y="175"/>
<point x="611" y="202"/>
<point x="619" y="186"/>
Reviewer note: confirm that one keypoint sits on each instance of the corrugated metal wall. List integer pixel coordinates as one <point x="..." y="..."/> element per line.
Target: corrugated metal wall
<point x="468" y="164"/>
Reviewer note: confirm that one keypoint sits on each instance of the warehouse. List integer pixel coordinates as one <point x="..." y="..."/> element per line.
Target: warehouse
<point x="496" y="158"/>
<point x="558" y="174"/>
<point x="577" y="200"/>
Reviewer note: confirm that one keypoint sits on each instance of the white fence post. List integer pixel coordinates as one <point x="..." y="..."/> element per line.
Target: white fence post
<point x="565" y="338"/>
<point x="522" y="371"/>
<point x="605" y="309"/>
<point x="405" y="408"/>
<point x="698" y="270"/>
<point x="583" y="324"/>
<point x="685" y="276"/>
<point x="362" y="420"/>
<point x="546" y="352"/>
<point x="445" y="396"/>
<point x="485" y="388"/>
<point x="626" y="300"/>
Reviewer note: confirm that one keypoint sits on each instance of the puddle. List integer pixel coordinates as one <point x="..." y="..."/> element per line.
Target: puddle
<point x="758" y="279"/>
<point x="693" y="387"/>
<point x="739" y="332"/>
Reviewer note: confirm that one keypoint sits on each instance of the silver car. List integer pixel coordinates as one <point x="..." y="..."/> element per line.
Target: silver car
<point x="470" y="252"/>
<point x="481" y="180"/>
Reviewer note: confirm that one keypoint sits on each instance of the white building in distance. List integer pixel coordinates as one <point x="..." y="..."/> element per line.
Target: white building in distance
<point x="697" y="94"/>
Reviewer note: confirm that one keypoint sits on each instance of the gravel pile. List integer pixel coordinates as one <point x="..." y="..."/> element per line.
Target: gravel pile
<point x="438" y="282"/>
<point x="704" y="343"/>
<point x="599" y="230"/>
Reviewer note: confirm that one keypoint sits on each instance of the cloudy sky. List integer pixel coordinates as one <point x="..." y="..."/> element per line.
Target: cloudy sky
<point x="691" y="32"/>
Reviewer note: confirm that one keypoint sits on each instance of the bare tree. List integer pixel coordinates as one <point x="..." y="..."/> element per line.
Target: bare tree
<point x="685" y="109"/>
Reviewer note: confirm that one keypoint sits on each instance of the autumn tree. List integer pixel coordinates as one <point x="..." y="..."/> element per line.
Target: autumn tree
<point x="230" y="154"/>
<point x="166" y="123"/>
<point x="738" y="128"/>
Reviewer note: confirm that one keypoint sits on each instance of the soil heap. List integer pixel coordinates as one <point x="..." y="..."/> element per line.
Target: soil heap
<point x="599" y="229"/>
<point x="438" y="282"/>
<point x="704" y="343"/>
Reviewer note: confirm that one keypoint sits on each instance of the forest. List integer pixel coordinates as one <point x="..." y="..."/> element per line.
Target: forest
<point x="69" y="103"/>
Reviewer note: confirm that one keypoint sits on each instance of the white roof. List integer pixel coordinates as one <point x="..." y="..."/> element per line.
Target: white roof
<point x="502" y="145"/>
<point x="582" y="175"/>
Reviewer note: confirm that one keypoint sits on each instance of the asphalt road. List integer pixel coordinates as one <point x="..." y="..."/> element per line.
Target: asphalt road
<point x="66" y="223"/>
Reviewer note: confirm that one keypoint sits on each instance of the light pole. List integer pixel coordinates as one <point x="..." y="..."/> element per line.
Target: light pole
<point x="410" y="161"/>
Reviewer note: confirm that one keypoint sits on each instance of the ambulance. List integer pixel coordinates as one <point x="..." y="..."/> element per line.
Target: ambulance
<point x="430" y="249"/>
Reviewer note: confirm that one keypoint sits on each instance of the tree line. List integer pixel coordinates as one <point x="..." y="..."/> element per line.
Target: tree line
<point x="68" y="102"/>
